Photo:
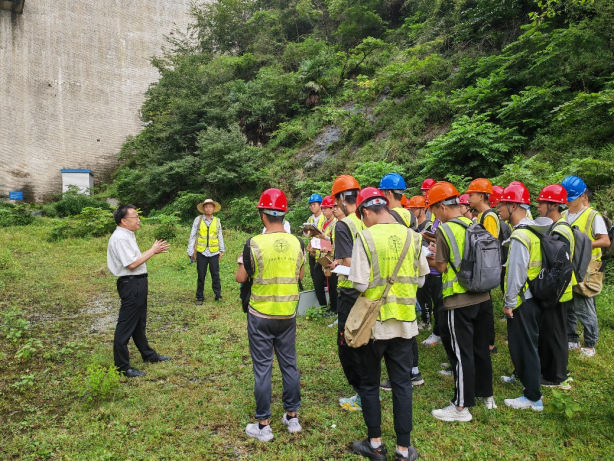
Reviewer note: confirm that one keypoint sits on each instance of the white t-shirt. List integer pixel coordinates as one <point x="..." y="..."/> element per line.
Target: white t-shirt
<point x="286" y="228"/>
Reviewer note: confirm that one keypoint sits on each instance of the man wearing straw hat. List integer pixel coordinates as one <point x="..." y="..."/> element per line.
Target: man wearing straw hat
<point x="206" y="245"/>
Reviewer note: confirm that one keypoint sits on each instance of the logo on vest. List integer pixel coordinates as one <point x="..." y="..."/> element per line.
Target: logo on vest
<point x="280" y="245"/>
<point x="395" y="243"/>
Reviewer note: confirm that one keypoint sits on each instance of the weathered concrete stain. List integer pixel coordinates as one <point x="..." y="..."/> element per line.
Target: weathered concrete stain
<point x="72" y="80"/>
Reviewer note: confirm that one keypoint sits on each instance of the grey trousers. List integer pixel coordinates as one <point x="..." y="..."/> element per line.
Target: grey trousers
<point x="583" y="309"/>
<point x="265" y="337"/>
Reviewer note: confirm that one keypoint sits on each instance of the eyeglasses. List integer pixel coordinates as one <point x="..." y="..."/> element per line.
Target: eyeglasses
<point x="132" y="217"/>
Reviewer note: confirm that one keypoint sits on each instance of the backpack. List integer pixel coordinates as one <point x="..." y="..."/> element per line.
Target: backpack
<point x="608" y="252"/>
<point x="505" y="232"/>
<point x="555" y="274"/>
<point x="479" y="270"/>
<point x="582" y="251"/>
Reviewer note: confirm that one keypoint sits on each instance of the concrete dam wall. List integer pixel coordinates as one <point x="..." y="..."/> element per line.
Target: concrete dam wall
<point x="73" y="74"/>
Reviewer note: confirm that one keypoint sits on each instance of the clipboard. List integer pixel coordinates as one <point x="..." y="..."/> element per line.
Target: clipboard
<point x="325" y="261"/>
<point x="309" y="227"/>
<point x="343" y="270"/>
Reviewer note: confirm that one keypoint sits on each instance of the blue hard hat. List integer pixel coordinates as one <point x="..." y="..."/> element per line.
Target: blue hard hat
<point x="315" y="198"/>
<point x="574" y="186"/>
<point x="392" y="181"/>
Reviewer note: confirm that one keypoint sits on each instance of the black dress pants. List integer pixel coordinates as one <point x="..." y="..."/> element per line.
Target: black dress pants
<point x="213" y="263"/>
<point x="522" y="335"/>
<point x="465" y="339"/>
<point x="319" y="280"/>
<point x="430" y="297"/>
<point x="348" y="356"/>
<point x="397" y="354"/>
<point x="132" y="321"/>
<point x="332" y="291"/>
<point x="552" y="343"/>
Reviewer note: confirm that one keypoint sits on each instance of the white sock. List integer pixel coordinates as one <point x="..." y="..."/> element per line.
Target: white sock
<point x="375" y="444"/>
<point x="404" y="454"/>
<point x="415" y="370"/>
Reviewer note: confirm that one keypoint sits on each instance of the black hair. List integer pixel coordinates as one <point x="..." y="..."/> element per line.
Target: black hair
<point x="485" y="195"/>
<point x="272" y="219"/>
<point x="349" y="199"/>
<point x="589" y="193"/>
<point x="378" y="209"/>
<point x="396" y="195"/>
<point x="120" y="212"/>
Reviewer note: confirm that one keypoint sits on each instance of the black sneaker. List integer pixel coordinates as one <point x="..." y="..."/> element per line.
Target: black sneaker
<point x="199" y="302"/>
<point x="133" y="373"/>
<point x="219" y="298"/>
<point x="364" y="448"/>
<point x="417" y="379"/>
<point x="494" y="351"/>
<point x="411" y="456"/>
<point x="158" y="358"/>
<point x="386" y="386"/>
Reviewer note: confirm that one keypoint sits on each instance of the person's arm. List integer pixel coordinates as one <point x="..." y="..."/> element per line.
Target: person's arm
<point x="517" y="269"/>
<point x="442" y="253"/>
<point x="159" y="246"/>
<point x="192" y="239"/>
<point x="221" y="238"/>
<point x="360" y="271"/>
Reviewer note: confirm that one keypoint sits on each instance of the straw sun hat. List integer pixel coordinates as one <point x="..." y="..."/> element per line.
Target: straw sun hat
<point x="216" y="206"/>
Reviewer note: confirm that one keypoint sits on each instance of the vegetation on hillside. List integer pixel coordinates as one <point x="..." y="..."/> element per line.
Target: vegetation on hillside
<point x="288" y="94"/>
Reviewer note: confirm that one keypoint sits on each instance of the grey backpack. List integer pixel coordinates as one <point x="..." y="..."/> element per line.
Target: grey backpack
<point x="582" y="251"/>
<point x="479" y="269"/>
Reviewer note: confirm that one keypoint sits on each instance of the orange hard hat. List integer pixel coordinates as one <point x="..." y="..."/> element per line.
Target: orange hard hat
<point x="428" y="183"/>
<point x="442" y="191"/>
<point x="464" y="199"/>
<point x="417" y="201"/>
<point x="480" y="185"/>
<point x="495" y="197"/>
<point x="369" y="196"/>
<point x="273" y="199"/>
<point x="344" y="183"/>
<point x="404" y="201"/>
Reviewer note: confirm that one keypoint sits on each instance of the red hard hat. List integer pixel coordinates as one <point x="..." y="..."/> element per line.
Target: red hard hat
<point x="343" y="183"/>
<point x="428" y="183"/>
<point x="464" y="199"/>
<point x="481" y="185"/>
<point x="366" y="195"/>
<point x="516" y="193"/>
<point x="441" y="191"/>
<point x="516" y="183"/>
<point x="328" y="202"/>
<point x="554" y="193"/>
<point x="273" y="199"/>
<point x="495" y="197"/>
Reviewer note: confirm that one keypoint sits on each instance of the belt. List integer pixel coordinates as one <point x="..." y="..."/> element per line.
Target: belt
<point x="140" y="276"/>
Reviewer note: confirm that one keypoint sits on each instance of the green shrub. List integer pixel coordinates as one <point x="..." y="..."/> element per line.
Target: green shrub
<point x="28" y="350"/>
<point x="168" y="227"/>
<point x="90" y="222"/>
<point x="183" y="206"/>
<point x="18" y="215"/>
<point x="13" y="325"/>
<point x="243" y="214"/>
<point x="72" y="203"/>
<point x="99" y="383"/>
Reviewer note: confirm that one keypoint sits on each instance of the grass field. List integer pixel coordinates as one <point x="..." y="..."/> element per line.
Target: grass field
<point x="197" y="405"/>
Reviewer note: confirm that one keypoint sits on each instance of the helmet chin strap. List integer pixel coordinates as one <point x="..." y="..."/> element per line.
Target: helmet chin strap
<point x="550" y="209"/>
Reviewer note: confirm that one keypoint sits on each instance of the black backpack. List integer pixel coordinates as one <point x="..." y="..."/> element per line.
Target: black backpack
<point x="555" y="275"/>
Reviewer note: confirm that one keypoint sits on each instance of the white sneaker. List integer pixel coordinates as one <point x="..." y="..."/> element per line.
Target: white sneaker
<point x="447" y="372"/>
<point x="509" y="379"/>
<point x="489" y="402"/>
<point x="334" y="323"/>
<point x="293" y="425"/>
<point x="588" y="351"/>
<point x="451" y="413"/>
<point x="431" y="340"/>
<point x="573" y="346"/>
<point x="264" y="435"/>
<point x="522" y="403"/>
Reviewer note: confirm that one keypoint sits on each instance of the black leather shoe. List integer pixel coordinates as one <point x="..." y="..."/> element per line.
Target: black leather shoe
<point x="199" y="302"/>
<point x="219" y="298"/>
<point x="133" y="373"/>
<point x="364" y="448"/>
<point x="158" y="358"/>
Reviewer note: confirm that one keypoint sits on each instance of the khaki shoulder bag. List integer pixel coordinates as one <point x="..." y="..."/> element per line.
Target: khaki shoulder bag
<point x="361" y="321"/>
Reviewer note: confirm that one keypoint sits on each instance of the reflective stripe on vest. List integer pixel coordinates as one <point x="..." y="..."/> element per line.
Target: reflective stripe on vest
<point x="355" y="226"/>
<point x="207" y="236"/>
<point x="383" y="244"/>
<point x="328" y="232"/>
<point x="585" y="224"/>
<point x="566" y="231"/>
<point x="278" y="260"/>
<point x="455" y="238"/>
<point x="533" y="244"/>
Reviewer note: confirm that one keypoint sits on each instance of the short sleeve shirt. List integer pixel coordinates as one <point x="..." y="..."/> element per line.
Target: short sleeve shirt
<point x="123" y="251"/>
<point x="344" y="243"/>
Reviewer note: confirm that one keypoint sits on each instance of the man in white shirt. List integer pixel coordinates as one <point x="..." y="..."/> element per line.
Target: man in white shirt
<point x="125" y="261"/>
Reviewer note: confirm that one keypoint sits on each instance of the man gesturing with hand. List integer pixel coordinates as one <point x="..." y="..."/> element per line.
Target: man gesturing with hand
<point x="127" y="263"/>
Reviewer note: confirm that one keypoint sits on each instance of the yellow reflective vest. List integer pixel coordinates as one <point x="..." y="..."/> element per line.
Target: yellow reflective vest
<point x="208" y="236"/>
<point x="383" y="244"/>
<point x="533" y="244"/>
<point x="319" y="223"/>
<point x="406" y="215"/>
<point x="278" y="259"/>
<point x="449" y="278"/>
<point x="566" y="231"/>
<point x="585" y="224"/>
<point x="355" y="226"/>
